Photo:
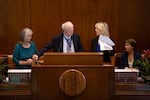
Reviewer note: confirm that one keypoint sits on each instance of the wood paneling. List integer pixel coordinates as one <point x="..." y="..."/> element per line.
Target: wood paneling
<point x="126" y="18"/>
<point x="134" y="23"/>
<point x="15" y="14"/>
<point x="79" y="58"/>
<point x="15" y="92"/>
<point x="84" y="14"/>
<point x="132" y="92"/>
<point x="63" y="81"/>
<point x="99" y="82"/>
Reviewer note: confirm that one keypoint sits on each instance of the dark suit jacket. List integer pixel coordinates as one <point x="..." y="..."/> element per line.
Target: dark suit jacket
<point x="124" y="59"/>
<point x="107" y="54"/>
<point x="56" y="44"/>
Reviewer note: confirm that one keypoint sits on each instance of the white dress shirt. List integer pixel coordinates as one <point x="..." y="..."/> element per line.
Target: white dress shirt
<point x="65" y="44"/>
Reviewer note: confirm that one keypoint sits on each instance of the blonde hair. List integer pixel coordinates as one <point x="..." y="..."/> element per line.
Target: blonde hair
<point x="103" y="27"/>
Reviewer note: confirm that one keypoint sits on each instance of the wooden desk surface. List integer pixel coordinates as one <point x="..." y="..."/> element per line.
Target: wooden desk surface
<point x="132" y="89"/>
<point x="15" y="89"/>
<point x="121" y="89"/>
<point x="123" y="92"/>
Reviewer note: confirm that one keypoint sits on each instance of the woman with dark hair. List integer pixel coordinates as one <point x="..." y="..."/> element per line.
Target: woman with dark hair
<point x="24" y="50"/>
<point x="130" y="55"/>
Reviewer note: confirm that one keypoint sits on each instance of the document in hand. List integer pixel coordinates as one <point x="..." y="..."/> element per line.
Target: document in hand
<point x="105" y="43"/>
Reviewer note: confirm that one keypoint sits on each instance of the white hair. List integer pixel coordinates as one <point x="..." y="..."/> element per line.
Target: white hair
<point x="24" y="33"/>
<point x="28" y="31"/>
<point x="66" y="25"/>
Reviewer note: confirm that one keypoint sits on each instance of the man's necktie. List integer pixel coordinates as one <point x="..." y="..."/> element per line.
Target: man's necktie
<point x="68" y="44"/>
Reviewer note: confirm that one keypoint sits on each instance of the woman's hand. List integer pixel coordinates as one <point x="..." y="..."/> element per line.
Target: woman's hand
<point x="26" y="62"/>
<point x="29" y="61"/>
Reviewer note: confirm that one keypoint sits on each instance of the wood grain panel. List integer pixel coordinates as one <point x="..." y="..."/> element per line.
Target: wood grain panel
<point x="126" y="18"/>
<point x="100" y="82"/>
<point x="48" y="15"/>
<point x="133" y="23"/>
<point x="15" y="15"/>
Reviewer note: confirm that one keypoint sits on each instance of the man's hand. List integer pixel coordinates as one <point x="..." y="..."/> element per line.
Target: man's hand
<point x="35" y="57"/>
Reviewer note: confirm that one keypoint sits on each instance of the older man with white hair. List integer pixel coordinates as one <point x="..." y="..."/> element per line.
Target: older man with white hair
<point x="67" y="41"/>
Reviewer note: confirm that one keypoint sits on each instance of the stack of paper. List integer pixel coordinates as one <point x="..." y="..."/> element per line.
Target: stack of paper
<point x="105" y="43"/>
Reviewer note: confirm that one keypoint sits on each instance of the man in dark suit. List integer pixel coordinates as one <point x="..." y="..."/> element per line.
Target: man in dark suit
<point x="67" y="41"/>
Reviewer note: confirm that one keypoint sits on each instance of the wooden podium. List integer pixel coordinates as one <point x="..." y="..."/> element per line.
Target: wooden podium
<point x="76" y="76"/>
